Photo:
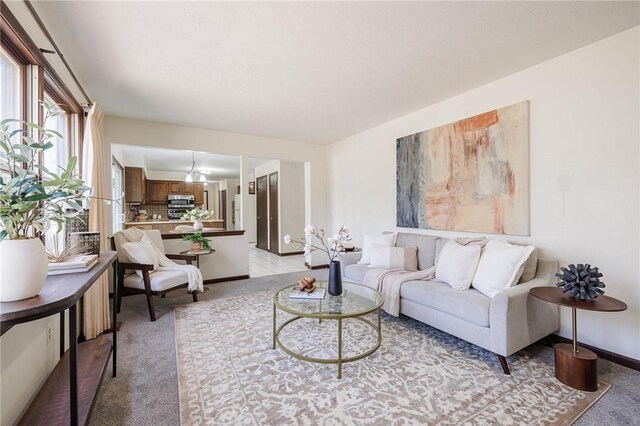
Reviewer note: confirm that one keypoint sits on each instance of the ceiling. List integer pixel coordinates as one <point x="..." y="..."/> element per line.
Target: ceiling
<point x="214" y="166"/>
<point x="309" y="71"/>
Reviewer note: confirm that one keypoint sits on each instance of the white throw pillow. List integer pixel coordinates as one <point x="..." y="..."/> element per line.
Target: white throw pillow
<point x="405" y="258"/>
<point x="141" y="252"/>
<point x="500" y="266"/>
<point x="457" y="264"/>
<point x="388" y="240"/>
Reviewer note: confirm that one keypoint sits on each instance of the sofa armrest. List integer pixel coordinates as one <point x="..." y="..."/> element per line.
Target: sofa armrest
<point x="349" y="258"/>
<point x="518" y="319"/>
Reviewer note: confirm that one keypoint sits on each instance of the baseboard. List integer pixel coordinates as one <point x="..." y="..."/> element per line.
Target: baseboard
<point x="293" y="253"/>
<point x="602" y="353"/>
<point x="225" y="279"/>
<point x="316" y="266"/>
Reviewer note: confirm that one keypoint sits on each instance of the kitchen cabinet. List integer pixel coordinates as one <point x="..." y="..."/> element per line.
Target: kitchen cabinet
<point x="175" y="187"/>
<point x="157" y="192"/>
<point x="199" y="194"/>
<point x="188" y="188"/>
<point x="134" y="185"/>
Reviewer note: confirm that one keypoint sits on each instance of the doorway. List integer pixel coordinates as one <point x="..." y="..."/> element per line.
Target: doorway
<point x="223" y="207"/>
<point x="274" y="240"/>
<point x="262" y="212"/>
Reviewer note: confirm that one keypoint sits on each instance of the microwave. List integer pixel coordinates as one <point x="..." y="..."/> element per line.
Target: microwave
<point x="183" y="201"/>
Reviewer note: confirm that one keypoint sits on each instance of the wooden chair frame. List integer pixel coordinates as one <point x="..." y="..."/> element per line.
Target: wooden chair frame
<point x="148" y="292"/>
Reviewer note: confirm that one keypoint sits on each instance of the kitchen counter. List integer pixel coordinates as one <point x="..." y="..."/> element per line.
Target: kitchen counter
<point x="165" y="226"/>
<point x="169" y="222"/>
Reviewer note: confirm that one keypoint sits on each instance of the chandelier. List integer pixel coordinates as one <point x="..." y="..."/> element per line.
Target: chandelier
<point x="194" y="175"/>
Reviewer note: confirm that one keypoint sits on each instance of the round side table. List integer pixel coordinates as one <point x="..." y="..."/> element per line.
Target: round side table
<point x="198" y="253"/>
<point x="576" y="366"/>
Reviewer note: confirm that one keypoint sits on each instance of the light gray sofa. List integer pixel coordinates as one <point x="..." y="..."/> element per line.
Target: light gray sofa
<point x="504" y="324"/>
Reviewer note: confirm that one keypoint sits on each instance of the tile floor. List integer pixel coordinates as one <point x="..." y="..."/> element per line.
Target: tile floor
<point x="263" y="263"/>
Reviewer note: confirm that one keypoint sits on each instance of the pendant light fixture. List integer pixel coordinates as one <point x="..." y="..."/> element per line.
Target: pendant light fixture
<point x="194" y="175"/>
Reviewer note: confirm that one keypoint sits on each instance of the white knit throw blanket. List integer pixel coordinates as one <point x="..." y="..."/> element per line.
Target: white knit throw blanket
<point x="389" y="281"/>
<point x="195" y="281"/>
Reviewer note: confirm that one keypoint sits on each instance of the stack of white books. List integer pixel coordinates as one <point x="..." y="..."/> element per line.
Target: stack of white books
<point x="80" y="263"/>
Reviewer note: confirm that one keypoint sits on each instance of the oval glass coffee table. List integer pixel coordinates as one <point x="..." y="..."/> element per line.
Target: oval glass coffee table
<point x="355" y="302"/>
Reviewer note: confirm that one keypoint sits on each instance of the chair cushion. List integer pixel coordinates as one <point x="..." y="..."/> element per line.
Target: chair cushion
<point x="355" y="272"/>
<point x="160" y="280"/>
<point x="469" y="305"/>
<point x="426" y="247"/>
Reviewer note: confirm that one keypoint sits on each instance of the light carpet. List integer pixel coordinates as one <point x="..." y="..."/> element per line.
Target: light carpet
<point x="229" y="374"/>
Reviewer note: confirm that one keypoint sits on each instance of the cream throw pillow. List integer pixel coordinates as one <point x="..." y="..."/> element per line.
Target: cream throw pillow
<point x="457" y="264"/>
<point x="385" y="257"/>
<point x="141" y="252"/>
<point x="388" y="240"/>
<point x="500" y="267"/>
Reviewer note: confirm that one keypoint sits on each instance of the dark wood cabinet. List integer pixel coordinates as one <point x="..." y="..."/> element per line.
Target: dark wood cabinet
<point x="176" y="187"/>
<point x="188" y="188"/>
<point x="157" y="191"/>
<point x="198" y="194"/>
<point x="134" y="185"/>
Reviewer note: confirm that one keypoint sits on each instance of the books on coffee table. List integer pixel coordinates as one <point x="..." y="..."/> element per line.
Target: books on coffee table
<point x="318" y="294"/>
<point x="81" y="263"/>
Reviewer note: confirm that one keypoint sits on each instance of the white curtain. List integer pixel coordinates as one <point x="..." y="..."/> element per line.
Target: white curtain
<point x="97" y="174"/>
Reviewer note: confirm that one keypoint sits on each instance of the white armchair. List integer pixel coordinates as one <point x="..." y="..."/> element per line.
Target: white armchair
<point x="152" y="283"/>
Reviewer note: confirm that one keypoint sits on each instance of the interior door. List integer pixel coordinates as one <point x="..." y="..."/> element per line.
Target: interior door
<point x="274" y="240"/>
<point x="223" y="207"/>
<point x="262" y="212"/>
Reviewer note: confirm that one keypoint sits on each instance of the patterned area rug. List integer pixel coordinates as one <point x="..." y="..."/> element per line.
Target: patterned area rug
<point x="228" y="374"/>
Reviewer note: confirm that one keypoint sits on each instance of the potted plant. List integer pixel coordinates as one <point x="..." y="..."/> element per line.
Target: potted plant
<point x="333" y="248"/>
<point x="198" y="242"/>
<point x="197" y="216"/>
<point x="31" y="197"/>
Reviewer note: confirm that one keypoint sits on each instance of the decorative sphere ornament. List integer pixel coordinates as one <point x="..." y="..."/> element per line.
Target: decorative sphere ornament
<point x="581" y="281"/>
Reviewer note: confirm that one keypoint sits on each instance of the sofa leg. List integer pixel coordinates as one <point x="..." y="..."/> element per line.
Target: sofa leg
<point x="195" y="296"/>
<point x="503" y="363"/>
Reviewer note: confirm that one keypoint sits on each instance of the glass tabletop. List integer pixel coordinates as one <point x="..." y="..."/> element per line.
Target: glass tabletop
<point x="355" y="300"/>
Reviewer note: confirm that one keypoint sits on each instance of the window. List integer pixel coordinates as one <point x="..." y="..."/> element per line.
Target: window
<point x="58" y="156"/>
<point x="11" y="83"/>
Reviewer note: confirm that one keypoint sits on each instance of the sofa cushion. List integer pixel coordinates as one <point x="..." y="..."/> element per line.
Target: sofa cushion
<point x="457" y="264"/>
<point x="386" y="239"/>
<point x="469" y="305"/>
<point x="500" y="267"/>
<point x="426" y="247"/>
<point x="356" y="272"/>
<point x="384" y="257"/>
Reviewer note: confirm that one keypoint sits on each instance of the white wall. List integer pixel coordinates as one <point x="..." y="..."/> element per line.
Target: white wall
<point x="291" y="193"/>
<point x="584" y="148"/>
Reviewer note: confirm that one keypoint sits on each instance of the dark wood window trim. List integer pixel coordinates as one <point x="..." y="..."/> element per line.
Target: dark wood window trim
<point x="15" y="36"/>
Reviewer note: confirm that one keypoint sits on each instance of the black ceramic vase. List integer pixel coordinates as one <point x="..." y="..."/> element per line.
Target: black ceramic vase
<point x="335" y="279"/>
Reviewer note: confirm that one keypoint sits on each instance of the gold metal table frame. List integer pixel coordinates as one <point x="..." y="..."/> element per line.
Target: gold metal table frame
<point x="376" y="305"/>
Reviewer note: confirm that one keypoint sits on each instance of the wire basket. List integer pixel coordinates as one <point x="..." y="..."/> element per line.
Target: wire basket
<point x="87" y="239"/>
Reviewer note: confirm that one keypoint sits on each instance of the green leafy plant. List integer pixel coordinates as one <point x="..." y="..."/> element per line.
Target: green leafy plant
<point x="32" y="196"/>
<point x="197" y="237"/>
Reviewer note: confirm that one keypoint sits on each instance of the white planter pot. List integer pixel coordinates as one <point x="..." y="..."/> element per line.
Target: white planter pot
<point x="23" y="268"/>
<point x="197" y="225"/>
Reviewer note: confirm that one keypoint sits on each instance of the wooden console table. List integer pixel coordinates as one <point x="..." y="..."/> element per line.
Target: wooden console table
<point x="576" y="366"/>
<point x="68" y="395"/>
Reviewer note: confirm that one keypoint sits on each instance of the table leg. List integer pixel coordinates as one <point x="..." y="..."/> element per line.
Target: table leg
<point x="574" y="324"/>
<point x="339" y="348"/>
<point x="73" y="365"/>
<point x="61" y="334"/>
<point x="274" y="326"/>
<point x="114" y="318"/>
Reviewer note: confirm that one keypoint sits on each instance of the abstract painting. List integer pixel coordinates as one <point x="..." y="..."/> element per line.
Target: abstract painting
<point x="471" y="175"/>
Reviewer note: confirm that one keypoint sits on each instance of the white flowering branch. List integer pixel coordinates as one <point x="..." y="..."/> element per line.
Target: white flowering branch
<point x="333" y="247"/>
